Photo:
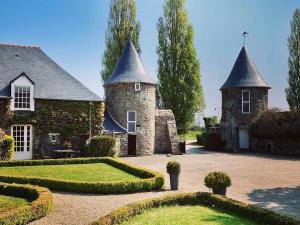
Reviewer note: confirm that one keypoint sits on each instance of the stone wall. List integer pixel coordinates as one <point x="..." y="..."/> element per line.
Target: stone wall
<point x="121" y="98"/>
<point x="71" y="119"/>
<point x="232" y="116"/>
<point x="166" y="140"/>
<point x="5" y="113"/>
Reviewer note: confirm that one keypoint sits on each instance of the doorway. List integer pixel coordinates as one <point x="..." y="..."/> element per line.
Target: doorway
<point x="243" y="138"/>
<point x="23" y="141"/>
<point x="131" y="144"/>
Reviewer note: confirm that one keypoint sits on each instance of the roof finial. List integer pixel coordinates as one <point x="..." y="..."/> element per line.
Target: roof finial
<point x="245" y="33"/>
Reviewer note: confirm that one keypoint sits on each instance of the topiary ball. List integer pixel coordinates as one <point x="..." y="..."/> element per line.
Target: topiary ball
<point x="173" y="167"/>
<point x="217" y="180"/>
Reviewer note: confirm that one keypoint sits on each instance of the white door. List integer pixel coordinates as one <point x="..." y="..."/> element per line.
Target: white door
<point x="244" y="138"/>
<point x="23" y="141"/>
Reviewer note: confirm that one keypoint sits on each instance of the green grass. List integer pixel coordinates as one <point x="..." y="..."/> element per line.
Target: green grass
<point x="9" y="202"/>
<point x="93" y="172"/>
<point x="190" y="135"/>
<point x="186" y="215"/>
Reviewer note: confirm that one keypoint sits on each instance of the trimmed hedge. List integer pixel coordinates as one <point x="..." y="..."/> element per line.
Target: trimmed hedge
<point x="41" y="203"/>
<point x="211" y="140"/>
<point x="101" y="146"/>
<point x="149" y="180"/>
<point x="8" y="147"/>
<point x="254" y="213"/>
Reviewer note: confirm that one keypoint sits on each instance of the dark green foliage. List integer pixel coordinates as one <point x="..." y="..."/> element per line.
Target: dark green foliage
<point x="150" y="180"/>
<point x="210" y="121"/>
<point x="2" y="134"/>
<point x="41" y="203"/>
<point x="5" y="112"/>
<point x="293" y="90"/>
<point x="101" y="146"/>
<point x="8" y="147"/>
<point x="274" y="123"/>
<point x="173" y="167"/>
<point x="211" y="140"/>
<point x="217" y="180"/>
<point x="179" y="80"/>
<point x="122" y="25"/>
<point x="254" y="213"/>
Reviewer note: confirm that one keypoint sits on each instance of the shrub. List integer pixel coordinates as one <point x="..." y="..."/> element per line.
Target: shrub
<point x="173" y="167"/>
<point x="2" y="134"/>
<point x="217" y="180"/>
<point x="210" y="121"/>
<point x="149" y="180"/>
<point x="101" y="146"/>
<point x="230" y="206"/>
<point x="211" y="140"/>
<point x="8" y="147"/>
<point x="41" y="203"/>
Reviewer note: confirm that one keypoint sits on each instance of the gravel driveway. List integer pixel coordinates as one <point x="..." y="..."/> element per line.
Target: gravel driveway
<point x="271" y="182"/>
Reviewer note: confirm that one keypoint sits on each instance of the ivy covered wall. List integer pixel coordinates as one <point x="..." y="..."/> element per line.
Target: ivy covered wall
<point x="74" y="121"/>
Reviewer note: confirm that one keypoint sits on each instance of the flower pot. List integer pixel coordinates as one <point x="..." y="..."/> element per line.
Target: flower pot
<point x="219" y="191"/>
<point x="174" y="180"/>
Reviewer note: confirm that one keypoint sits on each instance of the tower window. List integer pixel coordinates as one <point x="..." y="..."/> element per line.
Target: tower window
<point x="245" y="101"/>
<point x="137" y="86"/>
<point x="131" y="121"/>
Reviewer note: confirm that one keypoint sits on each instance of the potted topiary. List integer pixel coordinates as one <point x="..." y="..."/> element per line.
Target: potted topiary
<point x="173" y="169"/>
<point x="218" y="182"/>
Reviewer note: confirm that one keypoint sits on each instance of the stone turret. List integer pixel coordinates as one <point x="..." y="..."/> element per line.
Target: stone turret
<point x="244" y="95"/>
<point x="130" y="101"/>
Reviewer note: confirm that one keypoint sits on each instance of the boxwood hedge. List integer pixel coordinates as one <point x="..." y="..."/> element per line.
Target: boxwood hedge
<point x="149" y="180"/>
<point x="254" y="213"/>
<point x="41" y="203"/>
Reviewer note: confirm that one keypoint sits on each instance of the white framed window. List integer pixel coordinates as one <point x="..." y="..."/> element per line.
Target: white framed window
<point x="246" y="101"/>
<point x="137" y="86"/>
<point x="54" y="138"/>
<point x="131" y="121"/>
<point x="23" y="141"/>
<point x="22" y="90"/>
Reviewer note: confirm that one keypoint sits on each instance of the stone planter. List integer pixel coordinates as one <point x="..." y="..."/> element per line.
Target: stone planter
<point x="174" y="181"/>
<point x="219" y="191"/>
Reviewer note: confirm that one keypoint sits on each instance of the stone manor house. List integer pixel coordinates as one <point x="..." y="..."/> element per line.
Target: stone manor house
<point x="45" y="108"/>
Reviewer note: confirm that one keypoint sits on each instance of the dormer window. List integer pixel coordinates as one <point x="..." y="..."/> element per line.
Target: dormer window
<point x="137" y="86"/>
<point x="246" y="101"/>
<point x="22" y="89"/>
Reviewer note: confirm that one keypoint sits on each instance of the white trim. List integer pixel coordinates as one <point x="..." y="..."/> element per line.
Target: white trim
<point x="249" y="93"/>
<point x="131" y="121"/>
<point x="137" y="85"/>
<point x="22" y="81"/>
<point x="24" y="154"/>
<point x="56" y="135"/>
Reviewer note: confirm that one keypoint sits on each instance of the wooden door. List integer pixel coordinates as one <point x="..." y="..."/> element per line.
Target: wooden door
<point x="131" y="144"/>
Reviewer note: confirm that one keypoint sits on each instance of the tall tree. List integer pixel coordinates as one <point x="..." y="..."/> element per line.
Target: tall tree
<point x="179" y="80"/>
<point x="122" y="25"/>
<point x="293" y="90"/>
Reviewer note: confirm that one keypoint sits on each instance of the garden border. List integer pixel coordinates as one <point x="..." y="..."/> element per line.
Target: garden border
<point x="41" y="203"/>
<point x="254" y="213"/>
<point x="149" y="180"/>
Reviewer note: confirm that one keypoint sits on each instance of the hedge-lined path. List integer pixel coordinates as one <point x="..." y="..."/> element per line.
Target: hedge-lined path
<point x="272" y="182"/>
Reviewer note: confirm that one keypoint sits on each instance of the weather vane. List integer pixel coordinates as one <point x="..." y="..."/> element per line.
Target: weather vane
<point x="245" y="33"/>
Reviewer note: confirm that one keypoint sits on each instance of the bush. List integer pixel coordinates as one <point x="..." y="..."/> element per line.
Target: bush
<point x="173" y="167"/>
<point x="149" y="180"/>
<point x="101" y="146"/>
<point x="8" y="148"/>
<point x="210" y="121"/>
<point x="211" y="140"/>
<point x="41" y="203"/>
<point x="217" y="180"/>
<point x="230" y="206"/>
<point x="2" y="134"/>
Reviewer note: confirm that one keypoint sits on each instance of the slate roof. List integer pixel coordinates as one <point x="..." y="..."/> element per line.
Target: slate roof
<point x="51" y="81"/>
<point x="244" y="73"/>
<point x="130" y="68"/>
<point x="111" y="125"/>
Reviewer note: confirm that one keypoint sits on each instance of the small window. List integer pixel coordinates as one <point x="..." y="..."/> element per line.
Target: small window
<point x="54" y="138"/>
<point x="131" y="121"/>
<point x="137" y="86"/>
<point x="22" y="98"/>
<point x="245" y="101"/>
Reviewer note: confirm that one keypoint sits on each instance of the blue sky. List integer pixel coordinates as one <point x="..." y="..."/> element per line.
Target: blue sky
<point x="72" y="32"/>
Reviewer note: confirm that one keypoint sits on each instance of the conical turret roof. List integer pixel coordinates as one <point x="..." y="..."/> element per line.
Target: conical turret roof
<point x="244" y="73"/>
<point x="130" y="68"/>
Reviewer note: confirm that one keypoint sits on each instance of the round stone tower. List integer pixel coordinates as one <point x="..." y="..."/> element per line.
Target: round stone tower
<point x="244" y="95"/>
<point x="130" y="102"/>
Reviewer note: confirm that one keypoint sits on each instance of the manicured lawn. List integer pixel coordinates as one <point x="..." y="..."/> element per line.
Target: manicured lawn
<point x="186" y="215"/>
<point x="93" y="172"/>
<point x="8" y="203"/>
